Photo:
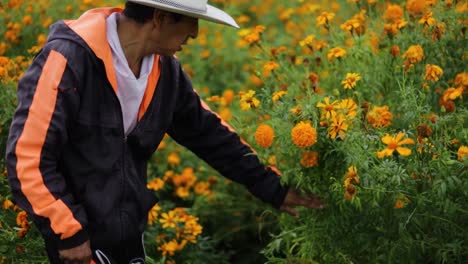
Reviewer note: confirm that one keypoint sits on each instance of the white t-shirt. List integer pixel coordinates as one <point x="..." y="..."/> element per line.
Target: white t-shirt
<point x="130" y="90"/>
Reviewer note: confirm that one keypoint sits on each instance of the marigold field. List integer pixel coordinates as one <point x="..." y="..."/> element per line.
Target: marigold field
<point x="362" y="102"/>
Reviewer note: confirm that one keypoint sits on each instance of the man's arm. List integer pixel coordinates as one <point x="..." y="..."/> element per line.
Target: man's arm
<point x="204" y="133"/>
<point x="46" y="95"/>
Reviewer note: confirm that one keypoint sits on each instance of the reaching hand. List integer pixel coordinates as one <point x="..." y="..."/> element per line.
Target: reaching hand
<point x="293" y="198"/>
<point x="77" y="255"/>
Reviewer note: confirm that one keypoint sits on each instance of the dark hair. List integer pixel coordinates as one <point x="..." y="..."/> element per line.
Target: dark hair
<point x="142" y="14"/>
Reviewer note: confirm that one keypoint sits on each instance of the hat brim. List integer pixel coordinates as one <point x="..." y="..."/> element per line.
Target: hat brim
<point x="212" y="13"/>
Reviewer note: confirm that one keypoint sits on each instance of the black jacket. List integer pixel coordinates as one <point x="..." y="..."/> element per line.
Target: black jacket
<point x="70" y="165"/>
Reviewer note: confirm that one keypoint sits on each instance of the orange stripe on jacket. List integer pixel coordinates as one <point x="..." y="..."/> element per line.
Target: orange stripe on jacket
<point x="91" y="27"/>
<point x="29" y="148"/>
<point x="150" y="87"/>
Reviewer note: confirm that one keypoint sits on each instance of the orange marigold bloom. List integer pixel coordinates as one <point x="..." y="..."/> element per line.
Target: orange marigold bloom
<point x="379" y="116"/>
<point x="415" y="6"/>
<point x="433" y="72"/>
<point x="173" y="159"/>
<point x="277" y="95"/>
<point x="350" y="192"/>
<point x="462" y="153"/>
<point x="414" y="54"/>
<point x="352" y="175"/>
<point x="309" y="159"/>
<point x="269" y="67"/>
<point x="395" y="51"/>
<point x="452" y="93"/>
<point x="427" y="19"/>
<point x="303" y="135"/>
<point x="394" y="145"/>
<point x="336" y="52"/>
<point x="461" y="79"/>
<point x="22" y="219"/>
<point x="264" y="135"/>
<point x="399" y="203"/>
<point x="393" y="13"/>
<point x="156" y="184"/>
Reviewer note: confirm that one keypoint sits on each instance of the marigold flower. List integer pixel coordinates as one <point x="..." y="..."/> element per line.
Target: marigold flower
<point x="433" y="72"/>
<point x="202" y="188"/>
<point x="393" y="13"/>
<point x="427" y="19"/>
<point x="228" y="96"/>
<point x="155" y="184"/>
<point x="414" y="54"/>
<point x="296" y="110"/>
<point x="338" y="127"/>
<point x="379" y="116"/>
<point x="169" y="248"/>
<point x="169" y="220"/>
<point x="303" y="135"/>
<point x="173" y="159"/>
<point x="424" y="131"/>
<point x="348" y="107"/>
<point x="264" y="136"/>
<point x="22" y="219"/>
<point x="248" y="100"/>
<point x="452" y="93"/>
<point x="394" y="145"/>
<point x="350" y="191"/>
<point x="329" y="109"/>
<point x="438" y="31"/>
<point x="351" y="80"/>
<point x="7" y="204"/>
<point x="336" y="52"/>
<point x="399" y="203"/>
<point x="308" y="41"/>
<point x="153" y="214"/>
<point x="415" y="6"/>
<point x="269" y="67"/>
<point x="462" y="153"/>
<point x="324" y="18"/>
<point x="395" y="51"/>
<point x="225" y="114"/>
<point x="309" y="159"/>
<point x="461" y="79"/>
<point x="352" y="175"/>
<point x="277" y="95"/>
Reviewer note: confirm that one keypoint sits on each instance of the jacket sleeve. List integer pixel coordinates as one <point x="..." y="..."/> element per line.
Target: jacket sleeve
<point x="46" y="97"/>
<point x="204" y="133"/>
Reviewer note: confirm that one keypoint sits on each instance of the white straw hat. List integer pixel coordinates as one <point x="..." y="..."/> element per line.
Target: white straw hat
<point x="193" y="8"/>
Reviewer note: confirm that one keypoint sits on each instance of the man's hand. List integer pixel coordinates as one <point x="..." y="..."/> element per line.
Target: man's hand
<point x="293" y="198"/>
<point x="77" y="255"/>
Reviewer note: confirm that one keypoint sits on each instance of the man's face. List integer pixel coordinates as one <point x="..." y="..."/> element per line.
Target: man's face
<point x="173" y="34"/>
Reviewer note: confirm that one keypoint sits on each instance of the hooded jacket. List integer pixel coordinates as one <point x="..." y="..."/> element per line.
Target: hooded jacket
<point x="70" y="165"/>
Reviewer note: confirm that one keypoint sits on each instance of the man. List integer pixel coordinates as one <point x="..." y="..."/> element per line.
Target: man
<point x="93" y="107"/>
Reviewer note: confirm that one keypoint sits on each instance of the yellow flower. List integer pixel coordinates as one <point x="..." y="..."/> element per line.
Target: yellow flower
<point x="169" y="248"/>
<point x="228" y="96"/>
<point x="324" y="18"/>
<point x="277" y="95"/>
<point x="452" y="94"/>
<point x="156" y="184"/>
<point x="22" y="220"/>
<point x="329" y="109"/>
<point x="309" y="159"/>
<point x="169" y="220"/>
<point x="394" y="145"/>
<point x="415" y="6"/>
<point x="303" y="135"/>
<point x="153" y="214"/>
<point x="427" y="19"/>
<point x="308" y="41"/>
<point x="351" y="80"/>
<point x="7" y="204"/>
<point x="264" y="136"/>
<point x="352" y="175"/>
<point x="379" y="116"/>
<point x="348" y="107"/>
<point x="296" y="110"/>
<point x="414" y="54"/>
<point x="462" y="153"/>
<point x="248" y="100"/>
<point x="338" y="127"/>
<point x="433" y="72"/>
<point x="336" y="52"/>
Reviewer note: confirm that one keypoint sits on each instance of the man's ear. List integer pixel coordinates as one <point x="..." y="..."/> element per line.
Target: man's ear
<point x="158" y="17"/>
